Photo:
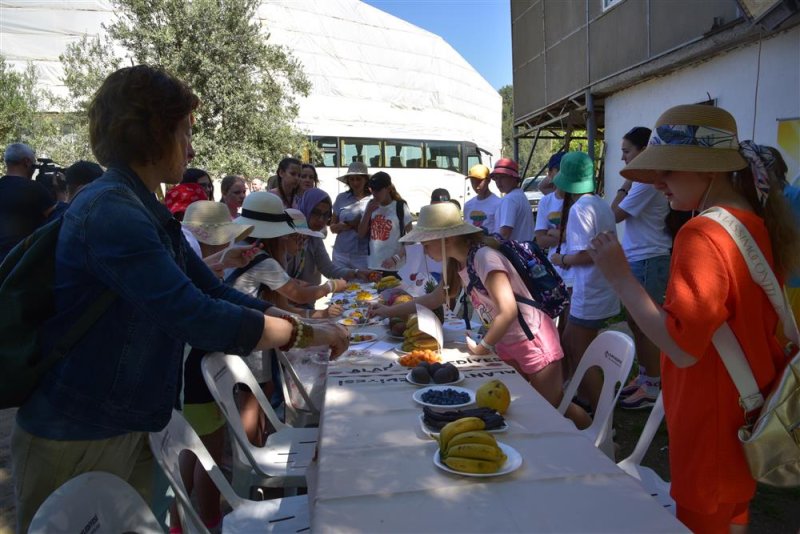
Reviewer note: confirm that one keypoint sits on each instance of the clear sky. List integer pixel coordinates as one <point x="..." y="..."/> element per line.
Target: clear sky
<point x="480" y="30"/>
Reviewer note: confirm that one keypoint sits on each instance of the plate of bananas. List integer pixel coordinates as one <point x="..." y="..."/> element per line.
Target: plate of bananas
<point x="466" y="448"/>
<point x="483" y="460"/>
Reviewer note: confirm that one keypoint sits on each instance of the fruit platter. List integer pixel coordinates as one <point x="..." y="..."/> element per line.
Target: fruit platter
<point x="444" y="397"/>
<point x="466" y="448"/>
<point x="356" y="339"/>
<point x="414" y="358"/>
<point x="425" y="373"/>
<point x="433" y="421"/>
<point x="365" y="296"/>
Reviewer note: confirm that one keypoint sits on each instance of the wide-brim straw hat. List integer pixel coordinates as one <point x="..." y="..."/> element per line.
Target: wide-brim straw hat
<point x="576" y="174"/>
<point x="264" y="212"/>
<point x="696" y="138"/>
<point x="437" y="221"/>
<point x="301" y="223"/>
<point x="210" y="222"/>
<point x="357" y="168"/>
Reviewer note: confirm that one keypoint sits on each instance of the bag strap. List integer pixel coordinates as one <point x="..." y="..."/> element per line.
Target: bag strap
<point x="724" y="340"/>
<point x="401" y="216"/>
<point x="90" y="316"/>
<point x="231" y="278"/>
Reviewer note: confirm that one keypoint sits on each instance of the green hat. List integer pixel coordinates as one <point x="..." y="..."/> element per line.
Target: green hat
<point x="576" y="174"/>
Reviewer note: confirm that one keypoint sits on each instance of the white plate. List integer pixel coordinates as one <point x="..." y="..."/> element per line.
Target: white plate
<point x="369" y="338"/>
<point x="350" y="323"/>
<point x="435" y="435"/>
<point x="417" y="396"/>
<point x="457" y="381"/>
<point x="513" y="462"/>
<point x="399" y="349"/>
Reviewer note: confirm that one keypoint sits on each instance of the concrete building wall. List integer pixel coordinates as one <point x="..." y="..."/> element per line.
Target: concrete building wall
<point x="730" y="79"/>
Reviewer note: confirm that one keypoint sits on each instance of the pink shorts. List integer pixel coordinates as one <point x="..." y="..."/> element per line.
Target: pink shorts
<point x="531" y="356"/>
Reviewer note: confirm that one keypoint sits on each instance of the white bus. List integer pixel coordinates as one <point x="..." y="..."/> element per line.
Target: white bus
<point x="417" y="166"/>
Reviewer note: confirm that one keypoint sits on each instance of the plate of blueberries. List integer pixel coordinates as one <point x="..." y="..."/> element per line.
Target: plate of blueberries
<point x="444" y="397"/>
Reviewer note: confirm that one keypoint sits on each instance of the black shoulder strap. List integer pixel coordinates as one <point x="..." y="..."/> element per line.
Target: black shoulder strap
<point x="87" y="319"/>
<point x="231" y="278"/>
<point x="401" y="216"/>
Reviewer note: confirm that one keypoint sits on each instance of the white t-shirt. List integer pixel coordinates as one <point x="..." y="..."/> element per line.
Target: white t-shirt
<point x="515" y="211"/>
<point x="482" y="213"/>
<point x="418" y="270"/>
<point x="548" y="218"/>
<point x="592" y="296"/>
<point x="193" y="242"/>
<point x="384" y="232"/>
<point x="269" y="272"/>
<point x="645" y="230"/>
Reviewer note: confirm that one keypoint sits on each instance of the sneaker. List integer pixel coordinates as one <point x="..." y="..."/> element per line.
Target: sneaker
<point x="638" y="400"/>
<point x="632" y="387"/>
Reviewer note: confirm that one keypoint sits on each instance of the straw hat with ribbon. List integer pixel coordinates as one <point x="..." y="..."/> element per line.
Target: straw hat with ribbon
<point x="689" y="138"/>
<point x="264" y="212"/>
<point x="210" y="222"/>
<point x="440" y="221"/>
<point x="301" y="224"/>
<point x="357" y="168"/>
<point x="699" y="138"/>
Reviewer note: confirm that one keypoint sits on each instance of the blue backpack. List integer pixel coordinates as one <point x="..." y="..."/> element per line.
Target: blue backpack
<point x="546" y="287"/>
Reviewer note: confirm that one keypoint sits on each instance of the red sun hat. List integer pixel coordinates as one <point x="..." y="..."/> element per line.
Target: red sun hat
<point x="506" y="166"/>
<point x="179" y="197"/>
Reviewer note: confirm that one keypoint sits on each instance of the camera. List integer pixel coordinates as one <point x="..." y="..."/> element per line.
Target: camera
<point x="51" y="176"/>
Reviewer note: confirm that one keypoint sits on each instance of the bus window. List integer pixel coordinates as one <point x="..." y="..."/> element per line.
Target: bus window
<point x="443" y="155"/>
<point x="364" y="150"/>
<point x="328" y="152"/>
<point x="401" y="154"/>
<point x="472" y="154"/>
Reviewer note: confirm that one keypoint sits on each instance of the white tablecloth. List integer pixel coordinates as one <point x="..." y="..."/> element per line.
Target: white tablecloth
<point x="375" y="470"/>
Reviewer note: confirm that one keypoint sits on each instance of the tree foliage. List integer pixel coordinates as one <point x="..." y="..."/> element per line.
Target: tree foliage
<point x="544" y="148"/>
<point x="247" y="86"/>
<point x="18" y="103"/>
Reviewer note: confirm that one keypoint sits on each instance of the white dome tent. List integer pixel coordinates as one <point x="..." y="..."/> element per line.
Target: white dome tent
<point x="373" y="75"/>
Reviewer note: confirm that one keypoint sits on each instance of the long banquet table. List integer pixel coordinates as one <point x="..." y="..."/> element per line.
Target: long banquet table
<point x="375" y="470"/>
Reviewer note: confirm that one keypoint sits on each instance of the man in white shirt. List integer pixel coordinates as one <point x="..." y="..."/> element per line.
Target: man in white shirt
<point x="481" y="210"/>
<point x="514" y="216"/>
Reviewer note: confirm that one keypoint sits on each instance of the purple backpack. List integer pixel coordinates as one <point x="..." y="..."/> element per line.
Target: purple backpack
<point x="546" y="287"/>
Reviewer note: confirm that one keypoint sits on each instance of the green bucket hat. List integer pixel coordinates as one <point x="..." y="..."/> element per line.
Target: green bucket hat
<point x="576" y="174"/>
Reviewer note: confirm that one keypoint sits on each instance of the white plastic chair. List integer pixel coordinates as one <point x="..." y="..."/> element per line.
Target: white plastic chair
<point x="94" y="502"/>
<point x="283" y="460"/>
<point x="613" y="352"/>
<point x="657" y="487"/>
<point x="289" y="514"/>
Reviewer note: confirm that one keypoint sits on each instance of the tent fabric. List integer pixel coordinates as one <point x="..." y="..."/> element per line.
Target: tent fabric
<point x="372" y="74"/>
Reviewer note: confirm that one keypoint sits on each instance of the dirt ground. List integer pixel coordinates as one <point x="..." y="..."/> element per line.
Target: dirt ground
<point x="773" y="511"/>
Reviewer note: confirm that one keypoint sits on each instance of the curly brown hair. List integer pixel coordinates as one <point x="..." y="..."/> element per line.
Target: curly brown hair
<point x="135" y="113"/>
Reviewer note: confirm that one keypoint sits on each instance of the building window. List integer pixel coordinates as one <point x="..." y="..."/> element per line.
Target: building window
<point x="608" y="4"/>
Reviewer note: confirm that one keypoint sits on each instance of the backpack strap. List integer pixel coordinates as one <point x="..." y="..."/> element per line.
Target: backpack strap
<point x="724" y="340"/>
<point x="401" y="216"/>
<point x="231" y="278"/>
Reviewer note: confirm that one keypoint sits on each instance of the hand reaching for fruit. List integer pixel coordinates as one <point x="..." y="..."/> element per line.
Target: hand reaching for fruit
<point x="334" y="310"/>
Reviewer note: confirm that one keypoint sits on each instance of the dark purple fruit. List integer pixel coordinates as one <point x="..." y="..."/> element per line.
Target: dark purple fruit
<point x="420" y="375"/>
<point x="432" y="368"/>
<point x="442" y="376"/>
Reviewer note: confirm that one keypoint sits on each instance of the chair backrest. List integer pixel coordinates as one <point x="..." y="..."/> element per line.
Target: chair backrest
<point x="395" y="161"/>
<point x="296" y="416"/>
<point x="167" y="446"/>
<point x="94" y="502"/>
<point x="613" y="352"/>
<point x="646" y="438"/>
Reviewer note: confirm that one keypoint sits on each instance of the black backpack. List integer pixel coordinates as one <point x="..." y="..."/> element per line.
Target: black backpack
<point x="26" y="302"/>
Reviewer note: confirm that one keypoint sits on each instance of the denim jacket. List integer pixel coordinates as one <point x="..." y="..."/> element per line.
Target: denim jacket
<point x="125" y="374"/>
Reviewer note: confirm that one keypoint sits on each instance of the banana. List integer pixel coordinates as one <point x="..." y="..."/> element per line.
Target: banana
<point x="476" y="436"/>
<point x="450" y="430"/>
<point x="477" y="451"/>
<point x="470" y="465"/>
